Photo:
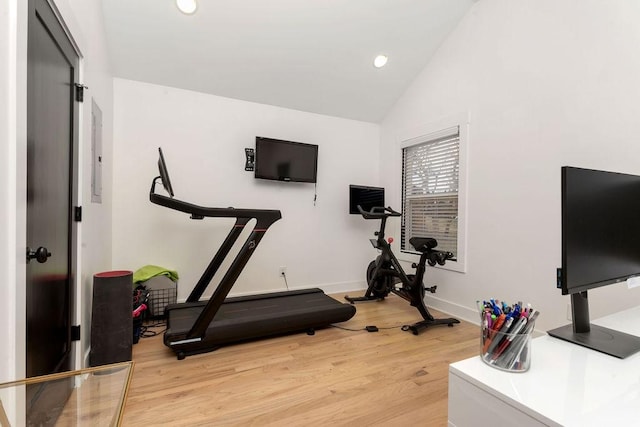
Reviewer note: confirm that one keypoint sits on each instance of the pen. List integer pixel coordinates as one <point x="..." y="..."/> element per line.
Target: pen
<point x="486" y="323"/>
<point x="496" y="308"/>
<point x="499" y="322"/>
<point x="514" y="356"/>
<point x="500" y="333"/>
<point x="494" y="329"/>
<point x="509" y="338"/>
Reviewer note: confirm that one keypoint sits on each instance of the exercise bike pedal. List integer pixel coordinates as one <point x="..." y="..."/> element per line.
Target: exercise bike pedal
<point x="432" y="289"/>
<point x="353" y="300"/>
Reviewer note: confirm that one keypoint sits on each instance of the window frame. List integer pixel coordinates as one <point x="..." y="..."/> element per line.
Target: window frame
<point x="426" y="133"/>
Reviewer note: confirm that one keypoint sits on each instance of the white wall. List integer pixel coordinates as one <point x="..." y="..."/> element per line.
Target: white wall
<point x="83" y="19"/>
<point x="203" y="139"/>
<point x="547" y="83"/>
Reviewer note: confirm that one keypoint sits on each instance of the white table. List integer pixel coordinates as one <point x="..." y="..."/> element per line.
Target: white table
<point x="567" y="385"/>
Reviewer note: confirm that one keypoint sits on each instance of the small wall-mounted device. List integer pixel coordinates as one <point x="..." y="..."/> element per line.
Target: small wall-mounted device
<point x="251" y="157"/>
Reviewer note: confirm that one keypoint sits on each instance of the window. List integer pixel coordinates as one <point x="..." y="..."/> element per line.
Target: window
<point x="433" y="191"/>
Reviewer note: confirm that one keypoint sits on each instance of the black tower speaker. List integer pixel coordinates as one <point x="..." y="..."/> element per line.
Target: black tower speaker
<point x="111" y="318"/>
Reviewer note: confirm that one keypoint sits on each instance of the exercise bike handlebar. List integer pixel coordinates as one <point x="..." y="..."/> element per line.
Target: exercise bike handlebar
<point x="378" y="212"/>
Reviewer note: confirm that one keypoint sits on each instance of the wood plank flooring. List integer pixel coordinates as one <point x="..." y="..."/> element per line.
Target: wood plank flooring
<point x="335" y="377"/>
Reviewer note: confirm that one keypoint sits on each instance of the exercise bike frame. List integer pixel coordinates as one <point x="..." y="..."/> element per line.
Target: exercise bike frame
<point x="385" y="272"/>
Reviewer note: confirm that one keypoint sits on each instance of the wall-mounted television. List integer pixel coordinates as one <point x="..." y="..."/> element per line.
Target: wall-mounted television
<point x="600" y="246"/>
<point x="281" y="160"/>
<point x="367" y="197"/>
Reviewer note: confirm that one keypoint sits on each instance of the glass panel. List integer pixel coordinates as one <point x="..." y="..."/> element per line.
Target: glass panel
<point x="93" y="396"/>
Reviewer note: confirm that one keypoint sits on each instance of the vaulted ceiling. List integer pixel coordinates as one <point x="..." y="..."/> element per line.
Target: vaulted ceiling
<point x="310" y="55"/>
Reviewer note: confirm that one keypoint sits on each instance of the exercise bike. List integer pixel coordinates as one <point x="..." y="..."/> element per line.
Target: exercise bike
<point x="385" y="274"/>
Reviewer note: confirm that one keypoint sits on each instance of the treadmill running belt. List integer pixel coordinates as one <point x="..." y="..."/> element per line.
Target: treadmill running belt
<point x="245" y="318"/>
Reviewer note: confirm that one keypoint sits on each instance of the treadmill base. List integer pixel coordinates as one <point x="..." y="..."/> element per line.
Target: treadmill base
<point x="253" y="317"/>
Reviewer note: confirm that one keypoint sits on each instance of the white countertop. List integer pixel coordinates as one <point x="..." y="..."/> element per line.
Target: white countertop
<point x="568" y="384"/>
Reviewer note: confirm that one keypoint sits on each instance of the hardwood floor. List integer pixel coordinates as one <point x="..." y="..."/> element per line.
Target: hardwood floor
<point x="335" y="377"/>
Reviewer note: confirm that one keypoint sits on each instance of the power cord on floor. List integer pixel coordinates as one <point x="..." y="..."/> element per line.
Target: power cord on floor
<point x="284" y="276"/>
<point x="146" y="331"/>
<point x="369" y="328"/>
<point x="347" y="329"/>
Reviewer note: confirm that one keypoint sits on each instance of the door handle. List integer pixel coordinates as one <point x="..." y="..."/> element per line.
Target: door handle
<point x="41" y="254"/>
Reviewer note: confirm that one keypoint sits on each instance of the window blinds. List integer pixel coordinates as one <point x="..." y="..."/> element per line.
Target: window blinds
<point x="430" y="176"/>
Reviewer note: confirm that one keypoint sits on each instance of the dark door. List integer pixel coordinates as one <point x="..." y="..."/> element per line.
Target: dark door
<point x="52" y="68"/>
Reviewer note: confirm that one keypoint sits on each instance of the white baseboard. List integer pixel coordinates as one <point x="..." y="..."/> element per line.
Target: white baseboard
<point x="328" y="288"/>
<point x="454" y="309"/>
<point x="341" y="287"/>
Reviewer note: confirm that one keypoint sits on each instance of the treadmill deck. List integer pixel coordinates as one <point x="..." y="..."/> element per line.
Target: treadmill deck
<point x="251" y="317"/>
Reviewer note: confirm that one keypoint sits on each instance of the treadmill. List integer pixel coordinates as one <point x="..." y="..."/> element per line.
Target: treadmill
<point x="196" y="326"/>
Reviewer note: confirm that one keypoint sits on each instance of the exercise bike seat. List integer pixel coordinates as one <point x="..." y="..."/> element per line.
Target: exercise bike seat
<point x="423" y="244"/>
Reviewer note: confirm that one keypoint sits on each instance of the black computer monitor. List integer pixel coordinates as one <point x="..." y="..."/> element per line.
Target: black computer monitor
<point x="600" y="246"/>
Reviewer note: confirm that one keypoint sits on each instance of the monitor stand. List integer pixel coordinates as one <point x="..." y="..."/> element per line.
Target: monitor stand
<point x="599" y="338"/>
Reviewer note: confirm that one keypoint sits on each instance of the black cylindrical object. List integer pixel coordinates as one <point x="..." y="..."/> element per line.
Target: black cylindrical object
<point x="111" y="318"/>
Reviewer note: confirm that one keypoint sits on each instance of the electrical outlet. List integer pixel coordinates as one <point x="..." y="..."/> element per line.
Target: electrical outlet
<point x="569" y="312"/>
<point x="283" y="271"/>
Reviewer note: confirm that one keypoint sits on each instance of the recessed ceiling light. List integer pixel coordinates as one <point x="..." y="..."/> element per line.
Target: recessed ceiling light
<point x="380" y="61"/>
<point x="187" y="6"/>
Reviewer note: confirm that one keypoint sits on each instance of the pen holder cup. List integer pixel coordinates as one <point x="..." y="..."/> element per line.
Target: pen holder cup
<point x="504" y="351"/>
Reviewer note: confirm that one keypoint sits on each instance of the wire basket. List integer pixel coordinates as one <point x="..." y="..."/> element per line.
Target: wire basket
<point x="162" y="292"/>
<point x="159" y="299"/>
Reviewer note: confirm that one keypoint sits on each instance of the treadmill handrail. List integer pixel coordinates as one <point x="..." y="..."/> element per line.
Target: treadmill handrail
<point x="265" y="217"/>
<point x="216" y="261"/>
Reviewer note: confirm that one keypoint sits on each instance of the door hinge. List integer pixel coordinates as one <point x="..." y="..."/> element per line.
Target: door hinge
<point x="77" y="213"/>
<point x="75" y="333"/>
<point x="80" y="91"/>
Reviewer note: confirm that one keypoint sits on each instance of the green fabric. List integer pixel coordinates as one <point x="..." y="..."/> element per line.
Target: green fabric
<point x="148" y="271"/>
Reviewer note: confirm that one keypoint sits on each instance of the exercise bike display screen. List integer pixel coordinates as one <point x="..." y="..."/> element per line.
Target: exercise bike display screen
<point x="367" y="197"/>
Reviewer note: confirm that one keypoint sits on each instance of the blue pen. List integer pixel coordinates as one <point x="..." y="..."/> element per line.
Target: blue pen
<point x="496" y="309"/>
<point x="517" y="310"/>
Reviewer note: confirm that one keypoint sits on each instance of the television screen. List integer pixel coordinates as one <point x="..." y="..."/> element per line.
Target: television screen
<point x="367" y="197"/>
<point x="285" y="160"/>
<point x="600" y="228"/>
